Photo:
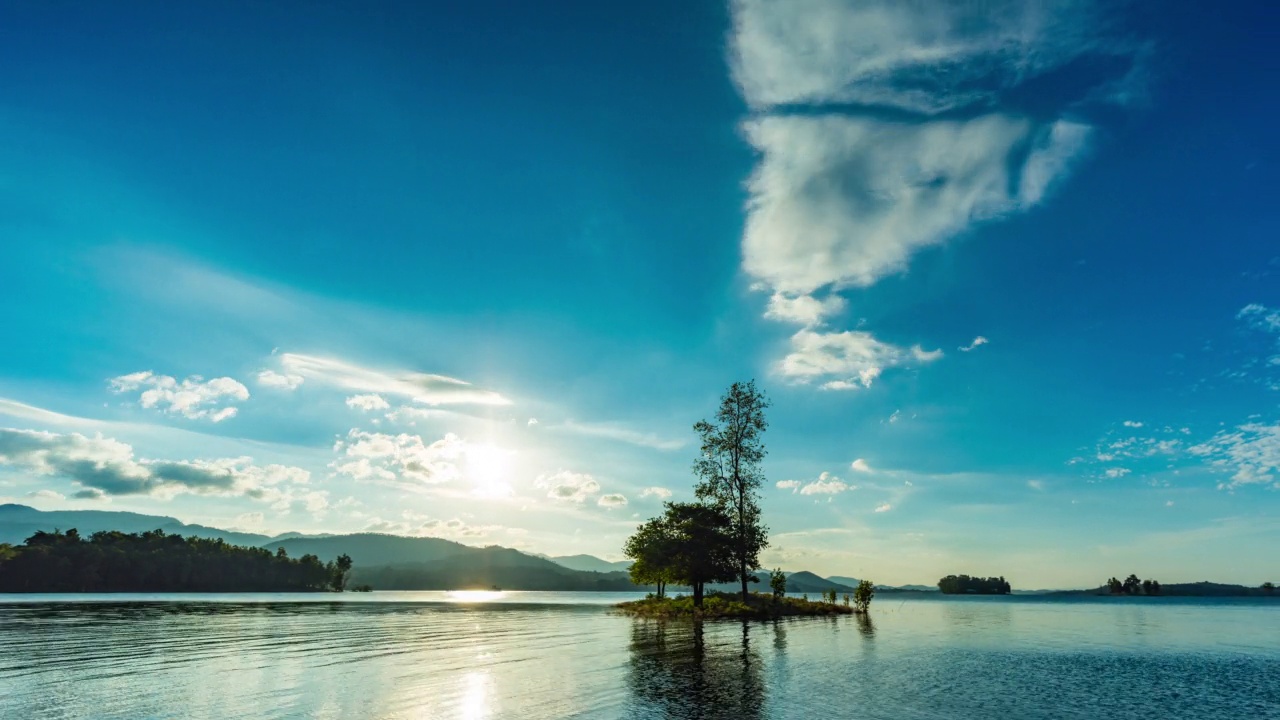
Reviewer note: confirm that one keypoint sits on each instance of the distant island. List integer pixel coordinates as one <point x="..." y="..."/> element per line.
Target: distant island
<point x="155" y="561"/>
<point x="965" y="585"/>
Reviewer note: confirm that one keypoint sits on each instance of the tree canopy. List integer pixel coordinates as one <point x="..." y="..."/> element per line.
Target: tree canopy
<point x="963" y="584"/>
<point x="153" y="561"/>
<point x="730" y="475"/>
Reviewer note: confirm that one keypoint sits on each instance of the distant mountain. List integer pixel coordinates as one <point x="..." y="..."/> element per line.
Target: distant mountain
<point x="806" y="582"/>
<point x="486" y="568"/>
<point x="589" y="563"/>
<point x="368" y="549"/>
<point x="19" y="522"/>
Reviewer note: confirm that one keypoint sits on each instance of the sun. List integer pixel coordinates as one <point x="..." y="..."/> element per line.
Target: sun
<point x="489" y="469"/>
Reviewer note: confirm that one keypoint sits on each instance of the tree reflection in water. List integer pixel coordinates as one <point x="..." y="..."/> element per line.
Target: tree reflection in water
<point x="691" y="670"/>
<point x="865" y="626"/>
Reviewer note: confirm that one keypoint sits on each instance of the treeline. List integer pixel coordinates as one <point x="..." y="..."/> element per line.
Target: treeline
<point x="1132" y="585"/>
<point x="153" y="561"/>
<point x="965" y="585"/>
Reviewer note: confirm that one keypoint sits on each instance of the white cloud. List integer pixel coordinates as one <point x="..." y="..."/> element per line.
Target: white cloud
<point x="104" y="466"/>
<point x="420" y="387"/>
<point x="842" y="201"/>
<point x="791" y="485"/>
<point x="1260" y="317"/>
<point x="804" y="310"/>
<point x="611" y="431"/>
<point x="192" y="398"/>
<point x="612" y="500"/>
<point x="46" y="494"/>
<point x="1132" y="424"/>
<point x="919" y="57"/>
<point x="279" y="381"/>
<point x="883" y="507"/>
<point x="826" y="484"/>
<point x="368" y="403"/>
<point x="977" y="342"/>
<point x="568" y="486"/>
<point x="405" y="457"/>
<point x="659" y="492"/>
<point x="1116" y="472"/>
<point x="1250" y="452"/>
<point x="1035" y="484"/>
<point x="532" y="421"/>
<point x="845" y="360"/>
<point x="860" y="465"/>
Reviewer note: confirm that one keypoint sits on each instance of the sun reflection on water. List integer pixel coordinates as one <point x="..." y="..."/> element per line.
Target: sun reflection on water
<point x="474" y="595"/>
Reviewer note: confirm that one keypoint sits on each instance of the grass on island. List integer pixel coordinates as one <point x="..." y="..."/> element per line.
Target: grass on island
<point x="726" y="605"/>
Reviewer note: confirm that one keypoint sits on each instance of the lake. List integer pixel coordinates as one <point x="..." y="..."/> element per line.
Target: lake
<point x="567" y="655"/>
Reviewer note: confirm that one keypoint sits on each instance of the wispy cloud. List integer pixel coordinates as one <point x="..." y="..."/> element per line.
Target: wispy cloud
<point x="614" y="431"/>
<point x="423" y="388"/>
<point x="977" y="342"/>
<point x="568" y="486"/>
<point x="826" y="484"/>
<point x="659" y="492"/>
<point x="1250" y="452"/>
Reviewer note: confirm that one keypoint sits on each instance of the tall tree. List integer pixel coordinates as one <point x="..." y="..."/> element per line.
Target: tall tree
<point x="730" y="475"/>
<point x="651" y="550"/>
<point x="701" y="549"/>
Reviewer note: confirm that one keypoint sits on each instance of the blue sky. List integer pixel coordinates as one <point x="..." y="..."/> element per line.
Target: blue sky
<point x="1010" y="274"/>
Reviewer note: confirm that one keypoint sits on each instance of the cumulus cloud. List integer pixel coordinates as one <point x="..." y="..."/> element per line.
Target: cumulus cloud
<point x="368" y="403"/>
<point x="192" y="398"/>
<point x="279" y="381"/>
<point x="403" y="457"/>
<point x="105" y="466"/>
<point x="420" y="387"/>
<point x="46" y="494"/>
<point x="612" y="500"/>
<point x="918" y="57"/>
<point x="883" y="507"/>
<point x="1260" y="317"/>
<point x="1132" y="424"/>
<point x="1035" y="484"/>
<point x="977" y="342"/>
<point x="568" y="486"/>
<point x="1250" y="452"/>
<point x="860" y="465"/>
<point x="826" y="484"/>
<point x="846" y="360"/>
<point x="1116" y="472"/>
<point x="803" y="310"/>
<point x="791" y="485"/>
<point x="870" y="171"/>
<point x="843" y="201"/>
<point x="659" y="492"/>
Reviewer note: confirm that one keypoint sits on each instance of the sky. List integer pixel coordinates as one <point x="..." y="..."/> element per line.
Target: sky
<point x="1009" y="273"/>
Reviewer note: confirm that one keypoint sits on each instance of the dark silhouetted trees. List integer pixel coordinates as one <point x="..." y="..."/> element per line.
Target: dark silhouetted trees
<point x="965" y="585"/>
<point x="1133" y="585"/>
<point x="153" y="561"/>
<point x="730" y="475"/>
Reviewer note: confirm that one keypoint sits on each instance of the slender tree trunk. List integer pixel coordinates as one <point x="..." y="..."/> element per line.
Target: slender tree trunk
<point x="697" y="594"/>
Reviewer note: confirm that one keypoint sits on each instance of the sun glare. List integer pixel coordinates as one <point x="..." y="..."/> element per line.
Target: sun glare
<point x="489" y="469"/>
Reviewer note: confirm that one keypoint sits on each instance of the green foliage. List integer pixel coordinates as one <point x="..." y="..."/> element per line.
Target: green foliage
<point x="730" y="475"/>
<point x="963" y="584"/>
<point x="153" y="561"/>
<point x="1267" y="586"/>
<point x="846" y="599"/>
<point x="778" y="583"/>
<point x="725" y="605"/>
<point x="863" y="594"/>
<point x="652" y="550"/>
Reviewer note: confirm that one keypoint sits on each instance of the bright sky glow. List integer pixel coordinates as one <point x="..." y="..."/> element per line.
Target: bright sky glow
<point x="1008" y="271"/>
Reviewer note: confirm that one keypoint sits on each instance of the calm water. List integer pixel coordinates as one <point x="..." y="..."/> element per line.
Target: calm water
<point x="566" y="655"/>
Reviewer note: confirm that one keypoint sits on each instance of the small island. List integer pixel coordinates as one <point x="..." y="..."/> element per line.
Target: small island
<point x="154" y="561"/>
<point x="719" y="537"/>
<point x="965" y="585"/>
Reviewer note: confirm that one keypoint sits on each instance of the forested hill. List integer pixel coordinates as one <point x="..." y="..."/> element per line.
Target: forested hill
<point x="1196" y="589"/>
<point x="156" y="561"/>
<point x="19" y="522"/>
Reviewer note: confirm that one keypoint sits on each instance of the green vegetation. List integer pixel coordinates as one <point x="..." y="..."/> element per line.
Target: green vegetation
<point x="862" y="596"/>
<point x="153" y="561"/>
<point x="965" y="585"/>
<point x="778" y="583"/>
<point x="715" y="605"/>
<point x="730" y="475"/>
<point x="1268" y="587"/>
<point x="1133" y="586"/>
